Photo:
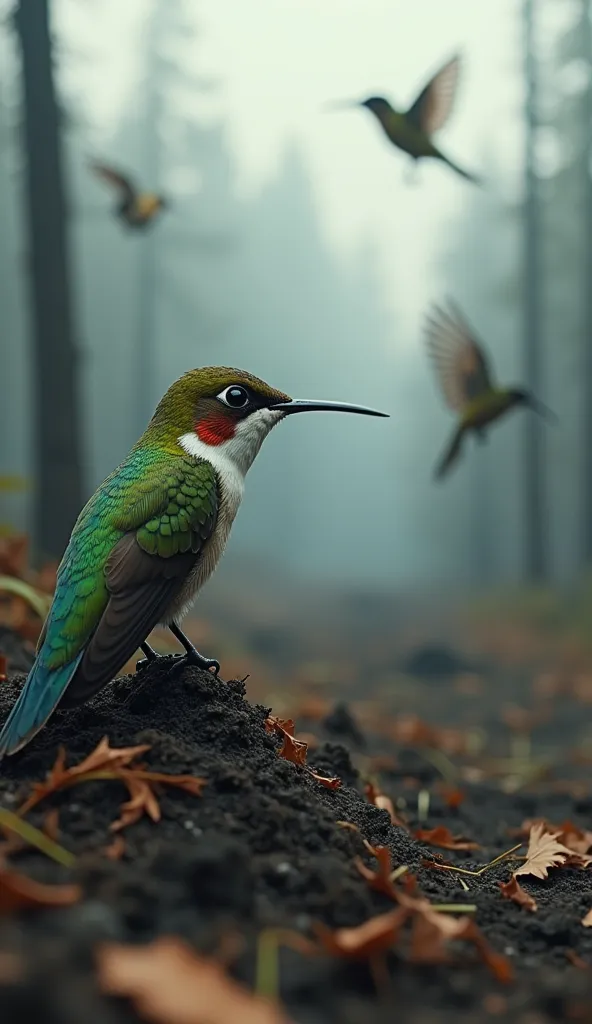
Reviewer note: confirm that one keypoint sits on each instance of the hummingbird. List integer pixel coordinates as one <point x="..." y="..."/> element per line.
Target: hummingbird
<point x="149" y="538"/>
<point x="467" y="382"/>
<point x="136" y="209"/>
<point x="412" y="130"/>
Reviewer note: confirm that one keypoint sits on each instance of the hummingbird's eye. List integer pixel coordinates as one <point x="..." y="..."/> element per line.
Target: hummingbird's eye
<point x="235" y="397"/>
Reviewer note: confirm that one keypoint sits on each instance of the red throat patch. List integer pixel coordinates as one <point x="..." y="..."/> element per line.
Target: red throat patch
<point x="215" y="430"/>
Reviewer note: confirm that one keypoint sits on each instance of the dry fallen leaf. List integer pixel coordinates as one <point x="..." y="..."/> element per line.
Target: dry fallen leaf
<point x="512" y="890"/>
<point x="292" y="749"/>
<point x="17" y="892"/>
<point x="380" y="880"/>
<point x="578" y="840"/>
<point x="442" y="837"/>
<point x="116" y="849"/>
<point x="111" y="763"/>
<point x="383" y="802"/>
<point x="168" y="983"/>
<point x="374" y="936"/>
<point x="452" y="796"/>
<point x="543" y="852"/>
<point x="295" y="750"/>
<point x="333" y="782"/>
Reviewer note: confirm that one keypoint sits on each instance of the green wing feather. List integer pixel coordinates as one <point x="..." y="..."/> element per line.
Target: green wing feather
<point x="170" y="503"/>
<point x="129" y="555"/>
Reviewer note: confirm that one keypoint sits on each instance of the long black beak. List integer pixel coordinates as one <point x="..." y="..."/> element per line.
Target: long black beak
<point x="342" y="104"/>
<point x="303" y="405"/>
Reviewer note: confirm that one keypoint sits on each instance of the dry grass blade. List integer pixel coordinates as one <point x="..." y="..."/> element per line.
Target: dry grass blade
<point x="436" y="866"/>
<point x="512" y="890"/>
<point x="543" y="852"/>
<point x="168" y="983"/>
<point x="13" y="823"/>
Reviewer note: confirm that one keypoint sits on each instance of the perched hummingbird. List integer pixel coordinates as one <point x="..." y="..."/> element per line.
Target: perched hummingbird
<point x="150" y="537"/>
<point x="466" y="380"/>
<point x="136" y="209"/>
<point x="412" y="131"/>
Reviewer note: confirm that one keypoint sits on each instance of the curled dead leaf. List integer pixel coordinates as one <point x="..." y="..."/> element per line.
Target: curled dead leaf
<point x="373" y="936"/>
<point x="383" y="802"/>
<point x="168" y="983"/>
<point x="379" y="879"/>
<point x="116" y="849"/>
<point x="512" y="890"/>
<point x="18" y="892"/>
<point x="443" y="837"/>
<point x="295" y="750"/>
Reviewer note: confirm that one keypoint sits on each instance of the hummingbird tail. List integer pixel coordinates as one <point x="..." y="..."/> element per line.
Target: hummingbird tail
<point x="39" y="697"/>
<point x="451" y="453"/>
<point x="464" y="174"/>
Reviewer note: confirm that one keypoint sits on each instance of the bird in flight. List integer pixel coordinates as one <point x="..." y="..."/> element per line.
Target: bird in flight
<point x="136" y="209"/>
<point x="412" y="130"/>
<point x="465" y="377"/>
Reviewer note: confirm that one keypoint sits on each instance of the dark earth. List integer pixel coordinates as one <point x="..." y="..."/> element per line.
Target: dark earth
<point x="262" y="848"/>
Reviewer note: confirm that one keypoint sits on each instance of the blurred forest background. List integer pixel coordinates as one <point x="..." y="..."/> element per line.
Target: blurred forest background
<point x="295" y="247"/>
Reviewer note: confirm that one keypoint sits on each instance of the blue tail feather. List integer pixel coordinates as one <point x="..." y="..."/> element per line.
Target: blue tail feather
<point x="42" y="691"/>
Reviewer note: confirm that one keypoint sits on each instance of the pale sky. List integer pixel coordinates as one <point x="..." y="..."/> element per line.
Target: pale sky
<point x="279" y="61"/>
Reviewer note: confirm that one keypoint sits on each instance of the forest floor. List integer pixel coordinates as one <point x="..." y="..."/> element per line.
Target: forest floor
<point x="251" y="868"/>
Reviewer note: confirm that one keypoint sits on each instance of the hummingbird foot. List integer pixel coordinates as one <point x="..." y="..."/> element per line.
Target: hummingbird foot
<point x="192" y="656"/>
<point x="151" y="655"/>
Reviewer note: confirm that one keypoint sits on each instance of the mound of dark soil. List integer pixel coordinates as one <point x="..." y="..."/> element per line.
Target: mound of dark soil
<point x="262" y="847"/>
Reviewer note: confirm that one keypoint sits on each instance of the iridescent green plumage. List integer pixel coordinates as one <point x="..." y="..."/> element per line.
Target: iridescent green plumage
<point x="168" y="504"/>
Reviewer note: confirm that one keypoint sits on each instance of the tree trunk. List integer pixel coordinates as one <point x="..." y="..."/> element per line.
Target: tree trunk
<point x="57" y="440"/>
<point x="586" y="285"/>
<point x="534" y="498"/>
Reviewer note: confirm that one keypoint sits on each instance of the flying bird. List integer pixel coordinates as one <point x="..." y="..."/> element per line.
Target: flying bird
<point x="136" y="209"/>
<point x="412" y="130"/>
<point x="150" y="537"/>
<point x="465" y="376"/>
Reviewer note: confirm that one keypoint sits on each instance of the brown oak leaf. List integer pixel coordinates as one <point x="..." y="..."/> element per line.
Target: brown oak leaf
<point x="543" y="852"/>
<point x="512" y="890"/>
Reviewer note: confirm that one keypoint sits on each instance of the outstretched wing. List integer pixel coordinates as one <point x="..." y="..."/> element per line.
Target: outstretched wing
<point x="434" y="104"/>
<point x="116" y="179"/>
<point x="130" y="553"/>
<point x="459" y="359"/>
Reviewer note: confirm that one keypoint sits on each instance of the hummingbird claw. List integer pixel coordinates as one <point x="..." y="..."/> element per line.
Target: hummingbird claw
<point x="195" y="658"/>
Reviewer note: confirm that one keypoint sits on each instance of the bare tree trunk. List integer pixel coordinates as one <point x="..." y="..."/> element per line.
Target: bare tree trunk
<point x="586" y="285"/>
<point x="54" y="362"/>
<point x="534" y="504"/>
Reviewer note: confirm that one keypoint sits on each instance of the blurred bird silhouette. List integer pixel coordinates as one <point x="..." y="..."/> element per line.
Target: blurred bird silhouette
<point x="466" y="380"/>
<point x="136" y="209"/>
<point x="411" y="131"/>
